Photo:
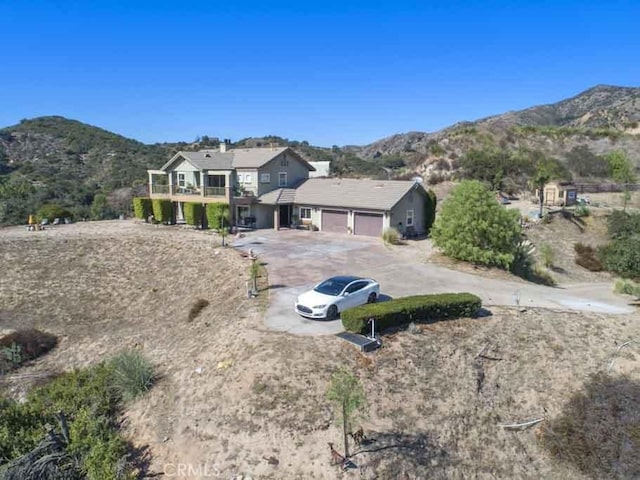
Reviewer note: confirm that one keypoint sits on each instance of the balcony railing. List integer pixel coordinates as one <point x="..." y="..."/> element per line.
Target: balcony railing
<point x="215" y="191"/>
<point x="160" y="189"/>
<point x="176" y="190"/>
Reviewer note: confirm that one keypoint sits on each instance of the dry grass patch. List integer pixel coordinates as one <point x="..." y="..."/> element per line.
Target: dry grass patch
<point x="598" y="430"/>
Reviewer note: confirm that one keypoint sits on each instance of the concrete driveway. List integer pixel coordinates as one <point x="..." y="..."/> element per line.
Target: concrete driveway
<point x="298" y="259"/>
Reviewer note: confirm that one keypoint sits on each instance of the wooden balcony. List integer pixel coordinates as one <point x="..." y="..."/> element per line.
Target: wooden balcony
<point x="188" y="194"/>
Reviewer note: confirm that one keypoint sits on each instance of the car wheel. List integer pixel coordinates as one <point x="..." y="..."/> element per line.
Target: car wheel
<point x="372" y="297"/>
<point x="332" y="312"/>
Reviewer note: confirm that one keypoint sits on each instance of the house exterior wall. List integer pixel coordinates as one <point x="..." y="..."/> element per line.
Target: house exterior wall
<point x="264" y="215"/>
<point x="188" y="170"/>
<point x="296" y="171"/>
<point x="413" y="200"/>
<point x="241" y="177"/>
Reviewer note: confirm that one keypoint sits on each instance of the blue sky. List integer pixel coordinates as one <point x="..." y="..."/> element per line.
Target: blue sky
<point x="328" y="72"/>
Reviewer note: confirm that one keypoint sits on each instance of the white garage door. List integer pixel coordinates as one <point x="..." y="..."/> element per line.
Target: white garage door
<point x="334" y="221"/>
<point x="369" y="224"/>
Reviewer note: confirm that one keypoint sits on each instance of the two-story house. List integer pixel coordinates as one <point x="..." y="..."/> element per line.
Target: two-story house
<point x="238" y="177"/>
<point x="270" y="187"/>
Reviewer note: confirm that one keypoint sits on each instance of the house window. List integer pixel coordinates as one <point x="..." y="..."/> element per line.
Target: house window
<point x="181" y="182"/>
<point x="247" y="178"/>
<point x="284" y="162"/>
<point x="409" y="218"/>
<point x="265" y="178"/>
<point x="282" y="179"/>
<point x="305" y="213"/>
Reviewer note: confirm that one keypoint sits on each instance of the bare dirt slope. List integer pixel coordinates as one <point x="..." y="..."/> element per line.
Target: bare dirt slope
<point x="235" y="398"/>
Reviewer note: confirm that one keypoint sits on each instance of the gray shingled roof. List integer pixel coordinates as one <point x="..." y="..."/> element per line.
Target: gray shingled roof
<point x="279" y="196"/>
<point x="205" y="160"/>
<point x="236" y="158"/>
<point x="353" y="193"/>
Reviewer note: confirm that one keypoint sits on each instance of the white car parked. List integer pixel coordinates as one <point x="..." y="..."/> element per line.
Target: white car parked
<point x="335" y="295"/>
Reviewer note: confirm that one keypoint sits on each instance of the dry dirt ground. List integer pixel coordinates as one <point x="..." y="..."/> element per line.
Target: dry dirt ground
<point x="238" y="401"/>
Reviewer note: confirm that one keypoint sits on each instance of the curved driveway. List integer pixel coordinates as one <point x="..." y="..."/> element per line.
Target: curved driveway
<point x="298" y="259"/>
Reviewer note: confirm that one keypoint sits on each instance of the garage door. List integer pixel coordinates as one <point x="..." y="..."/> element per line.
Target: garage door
<point x="369" y="224"/>
<point x="334" y="221"/>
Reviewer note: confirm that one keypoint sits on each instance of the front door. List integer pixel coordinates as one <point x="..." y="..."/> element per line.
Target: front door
<point x="285" y="215"/>
<point x="243" y="213"/>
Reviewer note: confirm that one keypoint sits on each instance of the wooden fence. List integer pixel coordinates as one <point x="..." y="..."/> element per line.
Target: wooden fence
<point x="604" y="187"/>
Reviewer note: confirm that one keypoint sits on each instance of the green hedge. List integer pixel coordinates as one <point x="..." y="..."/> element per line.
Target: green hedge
<point x="218" y="215"/>
<point x="193" y="213"/>
<point x="162" y="210"/>
<point x="142" y="208"/>
<point x="430" y="210"/>
<point x="419" y="308"/>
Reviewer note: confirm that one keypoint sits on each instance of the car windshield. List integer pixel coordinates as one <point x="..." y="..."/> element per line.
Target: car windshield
<point x="333" y="287"/>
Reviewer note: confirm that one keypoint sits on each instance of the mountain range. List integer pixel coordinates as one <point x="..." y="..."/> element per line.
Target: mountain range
<point x="66" y="162"/>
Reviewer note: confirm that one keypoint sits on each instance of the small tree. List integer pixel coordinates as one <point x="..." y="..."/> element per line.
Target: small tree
<point x="472" y="226"/>
<point x="347" y="394"/>
<point x="545" y="170"/>
<point x="622" y="171"/>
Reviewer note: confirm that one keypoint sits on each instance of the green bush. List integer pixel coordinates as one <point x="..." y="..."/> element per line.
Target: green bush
<point x="90" y="404"/>
<point x="99" y="445"/>
<point x="391" y="236"/>
<point x="627" y="287"/>
<point x="472" y="226"/>
<point x="162" y="210"/>
<point x="218" y="215"/>
<point x="142" y="208"/>
<point x="419" y="308"/>
<point x="623" y="224"/>
<point x="587" y="257"/>
<point x="51" y="211"/>
<point x="622" y="256"/>
<point x="430" y="211"/>
<point x="133" y="374"/>
<point x="193" y="213"/>
<point x="582" y="211"/>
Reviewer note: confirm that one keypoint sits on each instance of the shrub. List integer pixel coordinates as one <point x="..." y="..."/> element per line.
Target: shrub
<point x="419" y="308"/>
<point x="430" y="211"/>
<point x="50" y="211"/>
<point x="472" y="226"/>
<point x="193" y="213"/>
<point x="598" y="430"/>
<point x="622" y="256"/>
<point x="391" y="236"/>
<point x="627" y="287"/>
<point x="581" y="211"/>
<point x="24" y="345"/>
<point x="142" y="208"/>
<point x="133" y="374"/>
<point x="196" y="308"/>
<point x="93" y="448"/>
<point x="218" y="215"/>
<point x="623" y="224"/>
<point x="547" y="254"/>
<point x="587" y="257"/>
<point x="162" y="210"/>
